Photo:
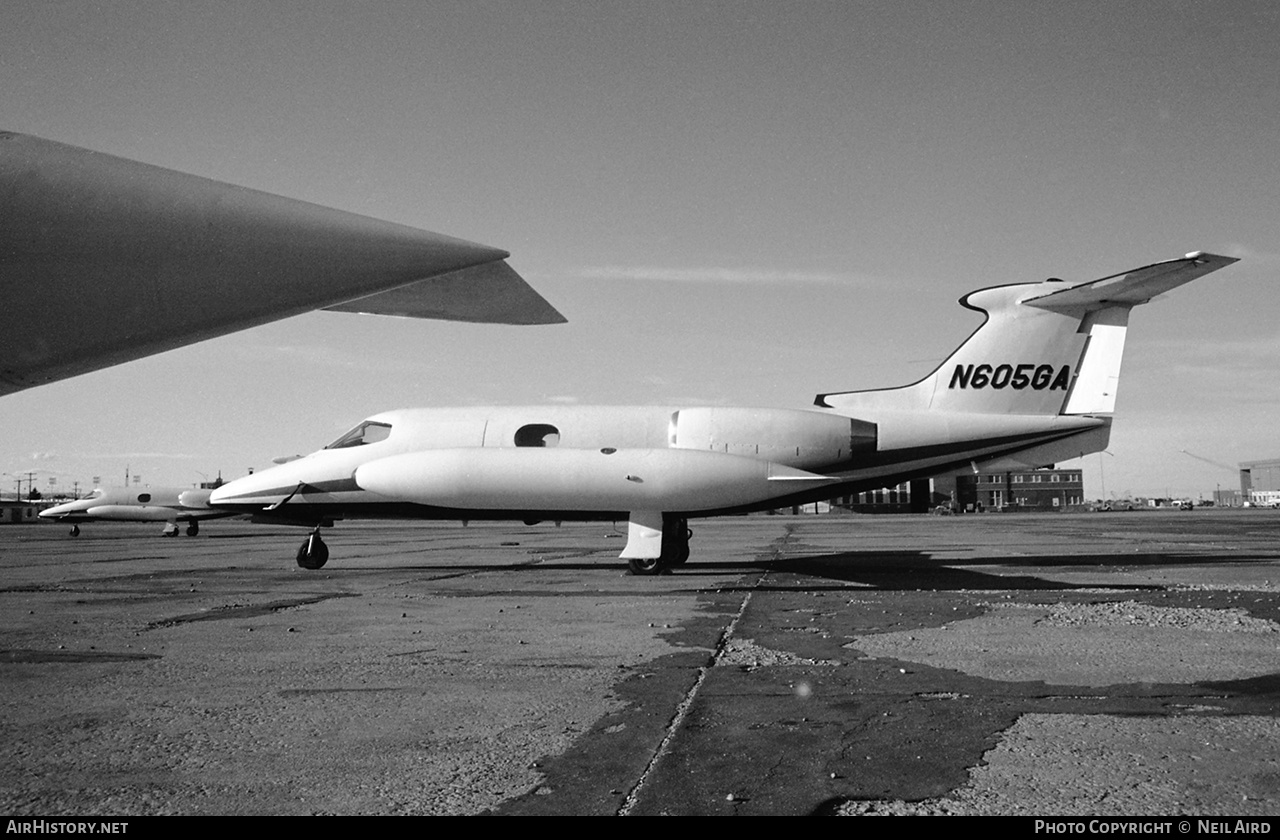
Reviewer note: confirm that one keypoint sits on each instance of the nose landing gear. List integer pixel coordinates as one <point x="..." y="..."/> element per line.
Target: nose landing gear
<point x="313" y="553"/>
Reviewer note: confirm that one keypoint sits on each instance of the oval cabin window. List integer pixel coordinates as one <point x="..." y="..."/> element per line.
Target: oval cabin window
<point x="537" y="434"/>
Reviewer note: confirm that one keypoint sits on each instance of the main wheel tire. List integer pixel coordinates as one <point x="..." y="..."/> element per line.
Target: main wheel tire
<point x="680" y="553"/>
<point x="193" y="528"/>
<point x="313" y="553"/>
<point x="75" y="530"/>
<point x="681" y="556"/>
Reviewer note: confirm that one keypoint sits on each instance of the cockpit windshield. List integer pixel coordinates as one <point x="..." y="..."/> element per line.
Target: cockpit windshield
<point x="367" y="432"/>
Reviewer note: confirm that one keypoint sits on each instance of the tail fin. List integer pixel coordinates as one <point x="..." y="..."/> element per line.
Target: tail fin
<point x="1045" y="348"/>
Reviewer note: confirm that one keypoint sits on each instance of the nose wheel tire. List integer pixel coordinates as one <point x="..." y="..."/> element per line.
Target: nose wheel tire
<point x="313" y="553"/>
<point x="645" y="565"/>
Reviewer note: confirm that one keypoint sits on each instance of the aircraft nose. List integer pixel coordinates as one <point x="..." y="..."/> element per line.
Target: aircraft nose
<point x="254" y="490"/>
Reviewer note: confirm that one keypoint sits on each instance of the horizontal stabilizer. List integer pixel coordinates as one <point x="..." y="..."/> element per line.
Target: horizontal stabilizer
<point x="1131" y="288"/>
<point x="492" y="293"/>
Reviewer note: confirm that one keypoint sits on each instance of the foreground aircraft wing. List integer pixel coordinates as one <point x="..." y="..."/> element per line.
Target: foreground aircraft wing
<point x="105" y="260"/>
<point x="489" y="293"/>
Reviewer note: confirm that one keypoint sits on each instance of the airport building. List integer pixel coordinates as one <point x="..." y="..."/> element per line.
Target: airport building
<point x="908" y="497"/>
<point x="1040" y="490"/>
<point x="1260" y="482"/>
<point x="1026" y="490"/>
<point x="18" y="513"/>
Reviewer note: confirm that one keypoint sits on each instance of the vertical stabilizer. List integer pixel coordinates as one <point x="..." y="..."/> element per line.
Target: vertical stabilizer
<point x="1045" y="348"/>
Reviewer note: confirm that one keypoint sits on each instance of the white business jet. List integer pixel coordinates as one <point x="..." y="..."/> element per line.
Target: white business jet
<point x="1034" y="385"/>
<point x="170" y="505"/>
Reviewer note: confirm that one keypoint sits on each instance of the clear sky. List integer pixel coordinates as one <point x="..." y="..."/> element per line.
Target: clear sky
<point x="732" y="202"/>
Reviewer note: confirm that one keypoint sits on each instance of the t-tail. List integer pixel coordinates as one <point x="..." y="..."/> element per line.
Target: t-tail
<point x="1045" y="349"/>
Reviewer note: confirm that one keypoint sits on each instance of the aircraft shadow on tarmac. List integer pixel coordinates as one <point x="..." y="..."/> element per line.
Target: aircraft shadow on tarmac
<point x="913" y="570"/>
<point x="879" y="570"/>
<point x="1265" y="685"/>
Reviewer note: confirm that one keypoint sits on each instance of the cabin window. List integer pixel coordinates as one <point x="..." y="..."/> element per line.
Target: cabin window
<point x="537" y="434"/>
<point x="366" y="432"/>
<point x="144" y="497"/>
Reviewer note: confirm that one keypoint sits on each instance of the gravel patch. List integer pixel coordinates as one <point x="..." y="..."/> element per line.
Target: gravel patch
<point x="1101" y="765"/>
<point x="1101" y="644"/>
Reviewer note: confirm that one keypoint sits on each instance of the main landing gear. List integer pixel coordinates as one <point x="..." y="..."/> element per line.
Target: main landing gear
<point x="75" y="530"/>
<point x="675" y="550"/>
<point x="193" y="528"/>
<point x="313" y="553"/>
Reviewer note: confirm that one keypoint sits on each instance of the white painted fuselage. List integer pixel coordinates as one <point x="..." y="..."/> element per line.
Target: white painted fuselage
<point x="1034" y="385"/>
<point x="564" y="462"/>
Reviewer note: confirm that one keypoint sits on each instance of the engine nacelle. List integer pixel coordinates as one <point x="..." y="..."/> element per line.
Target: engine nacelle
<point x="809" y="440"/>
<point x="195" y="499"/>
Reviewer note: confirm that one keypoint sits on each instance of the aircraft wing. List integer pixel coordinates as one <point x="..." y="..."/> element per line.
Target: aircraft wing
<point x="1131" y="288"/>
<point x="105" y="260"/>
<point x="489" y="293"/>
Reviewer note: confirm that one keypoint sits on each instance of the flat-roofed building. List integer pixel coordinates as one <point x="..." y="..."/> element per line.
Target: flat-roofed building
<point x="1047" y="490"/>
<point x="1260" y="482"/>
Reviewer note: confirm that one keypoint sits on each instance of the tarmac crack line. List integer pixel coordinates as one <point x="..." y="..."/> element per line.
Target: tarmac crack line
<point x="632" y="798"/>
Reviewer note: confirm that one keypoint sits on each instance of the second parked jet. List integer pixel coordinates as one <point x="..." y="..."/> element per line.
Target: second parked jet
<point x="170" y="505"/>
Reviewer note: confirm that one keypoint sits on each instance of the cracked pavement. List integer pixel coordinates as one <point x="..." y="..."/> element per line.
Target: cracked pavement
<point x="1000" y="664"/>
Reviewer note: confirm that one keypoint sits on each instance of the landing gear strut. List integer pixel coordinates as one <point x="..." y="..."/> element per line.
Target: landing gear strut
<point x="675" y="550"/>
<point x="313" y="553"/>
